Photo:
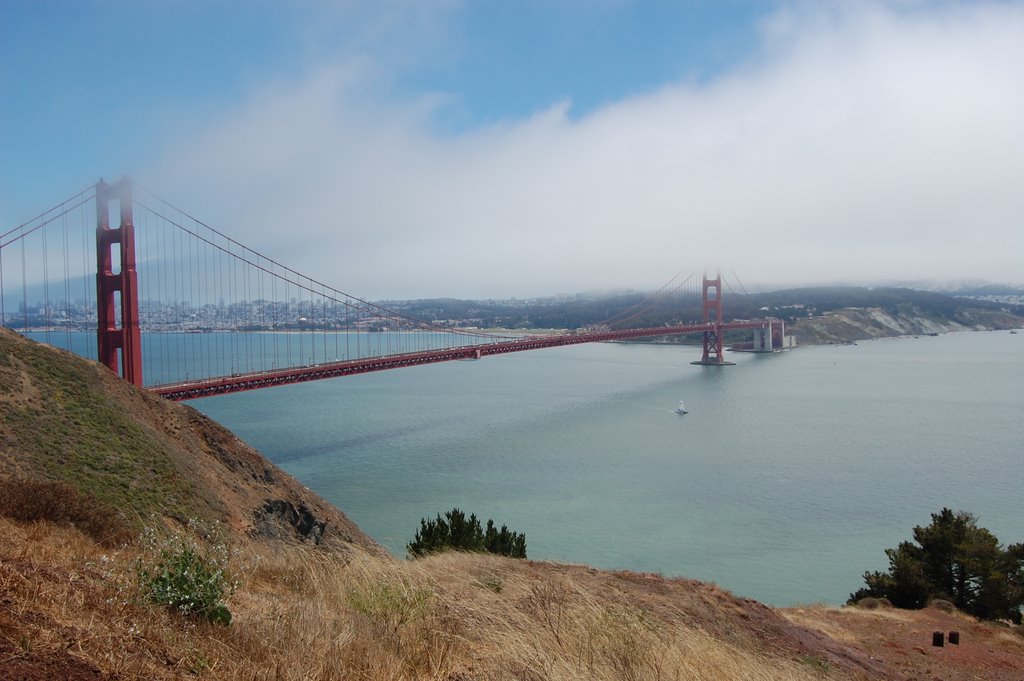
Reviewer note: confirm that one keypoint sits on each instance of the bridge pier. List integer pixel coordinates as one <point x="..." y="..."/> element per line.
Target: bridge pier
<point x="115" y="342"/>
<point x="762" y="340"/>
<point x="769" y="338"/>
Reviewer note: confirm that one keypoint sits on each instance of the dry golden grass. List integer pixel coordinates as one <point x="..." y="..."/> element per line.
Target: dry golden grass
<point x="307" y="614"/>
<point x="822" y="618"/>
<point x="814" y="618"/>
<point x="61" y="502"/>
<point x="1011" y="639"/>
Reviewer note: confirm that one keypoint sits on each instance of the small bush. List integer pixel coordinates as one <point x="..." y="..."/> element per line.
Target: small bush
<point x="456" y="531"/>
<point x="60" y="502"/>
<point x="871" y="603"/>
<point x="186" y="576"/>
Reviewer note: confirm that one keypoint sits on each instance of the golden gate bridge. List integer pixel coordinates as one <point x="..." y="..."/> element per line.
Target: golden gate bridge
<point x="220" y="317"/>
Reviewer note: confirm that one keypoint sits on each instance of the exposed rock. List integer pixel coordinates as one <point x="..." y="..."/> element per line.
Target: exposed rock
<point x="281" y="519"/>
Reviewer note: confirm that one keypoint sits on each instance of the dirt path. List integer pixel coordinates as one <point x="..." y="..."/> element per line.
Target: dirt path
<point x="902" y="642"/>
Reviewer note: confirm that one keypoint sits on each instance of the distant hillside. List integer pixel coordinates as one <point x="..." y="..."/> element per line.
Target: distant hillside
<point x="798" y="302"/>
<point x="854" y="324"/>
<point x="828" y="315"/>
<point x="63" y="418"/>
<point x="821" y="314"/>
<point x="963" y="287"/>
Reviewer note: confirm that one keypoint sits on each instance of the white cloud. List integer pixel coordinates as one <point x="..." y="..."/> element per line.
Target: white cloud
<point x="866" y="142"/>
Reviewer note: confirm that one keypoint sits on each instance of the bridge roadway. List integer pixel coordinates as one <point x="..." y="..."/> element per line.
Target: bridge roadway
<point x="265" y="379"/>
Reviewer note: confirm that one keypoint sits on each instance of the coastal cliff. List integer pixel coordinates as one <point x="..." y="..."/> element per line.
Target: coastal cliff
<point x="864" y="323"/>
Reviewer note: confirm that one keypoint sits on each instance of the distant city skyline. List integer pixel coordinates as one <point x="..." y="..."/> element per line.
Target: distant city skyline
<point x="496" y="150"/>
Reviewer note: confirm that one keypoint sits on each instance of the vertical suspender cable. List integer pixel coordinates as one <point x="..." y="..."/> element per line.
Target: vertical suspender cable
<point x="142" y="268"/>
<point x="67" y="285"/>
<point x="164" y="295"/>
<point x="288" y="320"/>
<point x="312" y="325"/>
<point x="221" y="312"/>
<point x="209" y="310"/>
<point x="263" y="323"/>
<point x="246" y="300"/>
<point x="247" y="268"/>
<point x="178" y="342"/>
<point x="300" y="329"/>
<point x="200" y="347"/>
<point x="334" y="325"/>
<point x="3" y="303"/>
<point x="232" y="307"/>
<point x="46" y="285"/>
<point x="24" y="287"/>
<point x="273" y="313"/>
<point x="85" y="279"/>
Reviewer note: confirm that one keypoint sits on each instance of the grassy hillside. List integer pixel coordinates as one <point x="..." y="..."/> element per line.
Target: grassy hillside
<point x="329" y="604"/>
<point x="69" y="420"/>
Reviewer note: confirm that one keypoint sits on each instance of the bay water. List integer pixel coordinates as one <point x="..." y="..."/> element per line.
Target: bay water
<point x="786" y="481"/>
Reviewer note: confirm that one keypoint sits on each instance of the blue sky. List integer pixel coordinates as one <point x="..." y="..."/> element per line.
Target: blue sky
<point x="525" y="148"/>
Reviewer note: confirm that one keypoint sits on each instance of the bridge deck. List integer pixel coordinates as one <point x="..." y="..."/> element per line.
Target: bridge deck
<point x="265" y="379"/>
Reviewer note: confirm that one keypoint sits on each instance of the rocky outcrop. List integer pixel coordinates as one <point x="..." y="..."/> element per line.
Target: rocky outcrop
<point x="281" y="519"/>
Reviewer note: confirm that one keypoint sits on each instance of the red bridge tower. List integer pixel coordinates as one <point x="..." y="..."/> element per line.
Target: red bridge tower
<point x="711" y="301"/>
<point x="111" y="337"/>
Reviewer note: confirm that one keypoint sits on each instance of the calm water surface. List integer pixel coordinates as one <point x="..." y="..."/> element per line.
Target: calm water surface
<point x="785" y="482"/>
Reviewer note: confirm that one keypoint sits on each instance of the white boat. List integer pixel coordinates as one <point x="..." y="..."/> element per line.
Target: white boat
<point x="681" y="409"/>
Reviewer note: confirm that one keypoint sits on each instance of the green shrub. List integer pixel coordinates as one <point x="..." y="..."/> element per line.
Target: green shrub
<point x="187" y="576"/>
<point x="952" y="559"/>
<point x="456" y="531"/>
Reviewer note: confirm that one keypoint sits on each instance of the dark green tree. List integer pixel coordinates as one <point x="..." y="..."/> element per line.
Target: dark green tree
<point x="456" y="531"/>
<point x="504" y="542"/>
<point x="952" y="559"/>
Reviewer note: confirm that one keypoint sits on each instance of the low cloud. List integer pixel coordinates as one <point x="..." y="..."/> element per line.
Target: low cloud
<point x="861" y="142"/>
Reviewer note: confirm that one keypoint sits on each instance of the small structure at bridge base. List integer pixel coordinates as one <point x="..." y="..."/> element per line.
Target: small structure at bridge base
<point x="770" y="338"/>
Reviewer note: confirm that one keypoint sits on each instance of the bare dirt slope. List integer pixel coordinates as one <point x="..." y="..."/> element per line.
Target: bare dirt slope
<point x="63" y="418"/>
<point x="900" y="641"/>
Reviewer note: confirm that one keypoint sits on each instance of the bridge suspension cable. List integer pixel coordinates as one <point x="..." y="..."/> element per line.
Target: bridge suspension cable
<point x="674" y="287"/>
<point x="189" y="311"/>
<point x="43" y="273"/>
<point x="291" y="319"/>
